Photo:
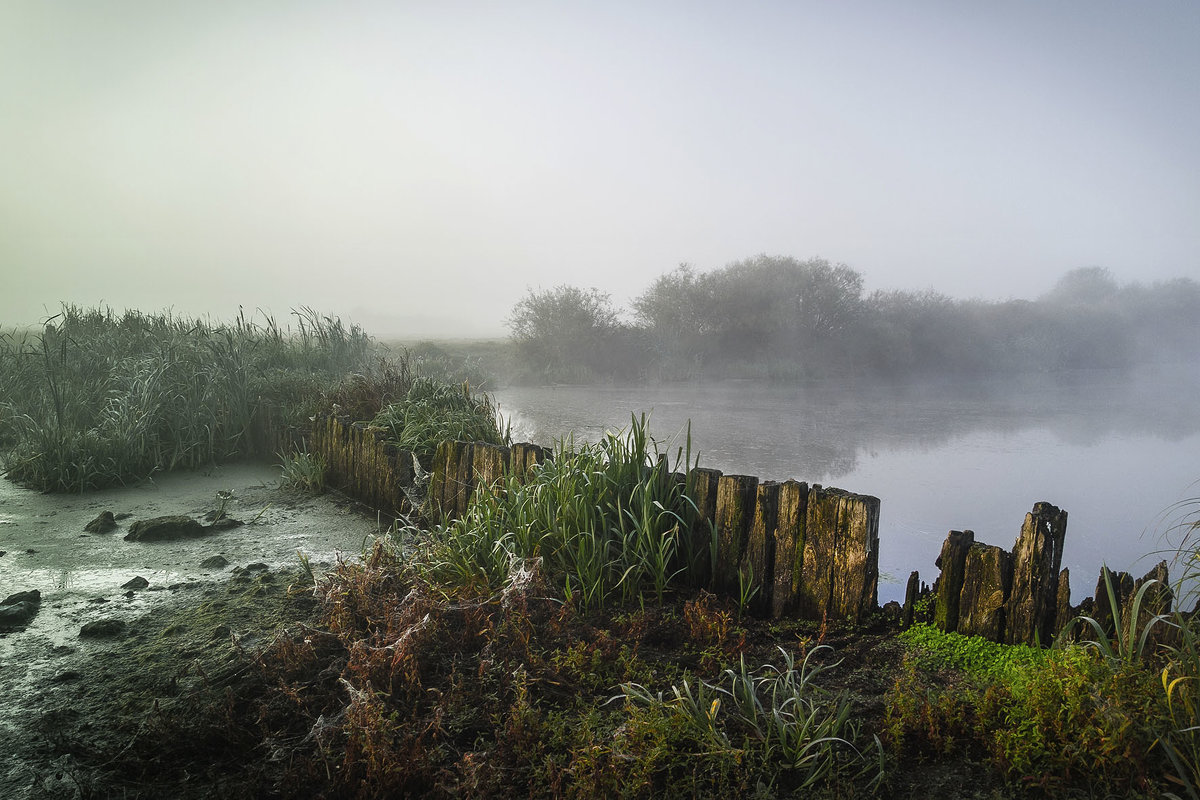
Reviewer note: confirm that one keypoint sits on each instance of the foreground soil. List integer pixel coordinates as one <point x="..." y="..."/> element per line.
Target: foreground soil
<point x="149" y="712"/>
<point x="241" y="690"/>
<point x="269" y="683"/>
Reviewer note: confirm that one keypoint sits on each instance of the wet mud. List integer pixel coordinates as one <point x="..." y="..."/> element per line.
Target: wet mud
<point x="124" y="628"/>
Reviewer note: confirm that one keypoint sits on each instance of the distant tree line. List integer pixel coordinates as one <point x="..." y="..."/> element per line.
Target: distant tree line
<point x="778" y="317"/>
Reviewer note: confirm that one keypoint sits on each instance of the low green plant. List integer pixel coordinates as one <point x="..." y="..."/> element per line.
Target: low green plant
<point x="977" y="657"/>
<point x="302" y="470"/>
<point x="1050" y="717"/>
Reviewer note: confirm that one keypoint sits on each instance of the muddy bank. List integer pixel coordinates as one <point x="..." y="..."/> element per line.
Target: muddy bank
<point x="123" y="628"/>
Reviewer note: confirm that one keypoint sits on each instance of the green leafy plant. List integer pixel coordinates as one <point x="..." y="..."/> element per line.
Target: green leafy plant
<point x="302" y="470"/>
<point x="1128" y="641"/>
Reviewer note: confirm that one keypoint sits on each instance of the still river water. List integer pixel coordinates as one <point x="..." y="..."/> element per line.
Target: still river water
<point x="1117" y="453"/>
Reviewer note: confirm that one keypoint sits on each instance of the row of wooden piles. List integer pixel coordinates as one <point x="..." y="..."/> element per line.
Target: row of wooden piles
<point x="798" y="550"/>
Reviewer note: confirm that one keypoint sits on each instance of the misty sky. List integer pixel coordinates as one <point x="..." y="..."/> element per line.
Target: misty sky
<point x="417" y="167"/>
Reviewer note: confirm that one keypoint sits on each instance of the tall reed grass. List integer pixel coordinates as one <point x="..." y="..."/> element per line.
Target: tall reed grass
<point x="610" y="521"/>
<point x="95" y="398"/>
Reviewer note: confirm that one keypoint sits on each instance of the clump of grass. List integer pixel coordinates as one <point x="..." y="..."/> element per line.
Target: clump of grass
<point x="607" y="520"/>
<point x="433" y="411"/>
<point x="775" y="717"/>
<point x="303" y="470"/>
<point x="1180" y="675"/>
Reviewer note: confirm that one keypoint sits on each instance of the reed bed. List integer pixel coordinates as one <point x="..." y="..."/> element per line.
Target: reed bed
<point x="95" y="398"/>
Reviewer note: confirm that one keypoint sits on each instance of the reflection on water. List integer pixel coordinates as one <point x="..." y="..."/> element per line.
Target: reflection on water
<point x="1115" y="453"/>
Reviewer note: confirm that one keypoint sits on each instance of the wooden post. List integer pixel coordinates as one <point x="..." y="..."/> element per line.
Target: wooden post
<point x="450" y="484"/>
<point x="789" y="548"/>
<point x="489" y="463"/>
<point x="841" y="555"/>
<point x="948" y="587"/>
<point x="759" y="559"/>
<point x="701" y="487"/>
<point x="1037" y="556"/>
<point x="525" y="457"/>
<point x="1064" y="611"/>
<point x="912" y="593"/>
<point x="735" y="513"/>
<point x="986" y="583"/>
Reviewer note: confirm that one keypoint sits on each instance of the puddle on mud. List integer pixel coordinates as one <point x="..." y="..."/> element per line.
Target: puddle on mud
<point x="80" y="575"/>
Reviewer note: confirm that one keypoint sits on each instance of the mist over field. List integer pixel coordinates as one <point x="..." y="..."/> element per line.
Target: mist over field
<point x="418" y="169"/>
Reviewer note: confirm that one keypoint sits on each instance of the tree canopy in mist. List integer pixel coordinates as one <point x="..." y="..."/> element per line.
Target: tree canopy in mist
<point x="776" y="316"/>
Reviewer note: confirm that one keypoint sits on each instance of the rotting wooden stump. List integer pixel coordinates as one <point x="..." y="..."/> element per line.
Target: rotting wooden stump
<point x="986" y="583"/>
<point x="1037" y="557"/>
<point x="1156" y="599"/>
<point x="361" y="463"/>
<point x="912" y="593"/>
<point x="840" y="564"/>
<point x="489" y="466"/>
<point x="451" y="482"/>
<point x="524" y="457"/>
<point x="1065" y="611"/>
<point x="948" y="587"/>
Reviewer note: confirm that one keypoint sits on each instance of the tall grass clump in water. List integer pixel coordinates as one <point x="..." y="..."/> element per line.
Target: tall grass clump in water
<point x="609" y="522"/>
<point x="95" y="399"/>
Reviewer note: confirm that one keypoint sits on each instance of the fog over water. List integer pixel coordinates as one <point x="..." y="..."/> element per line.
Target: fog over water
<point x="417" y="167"/>
<point x="1116" y="454"/>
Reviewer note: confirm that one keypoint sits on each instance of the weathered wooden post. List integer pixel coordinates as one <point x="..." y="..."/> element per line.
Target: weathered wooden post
<point x="912" y="593"/>
<point x="451" y="482"/>
<point x="489" y="464"/>
<point x="1064" y="612"/>
<point x="759" y="558"/>
<point x="841" y="555"/>
<point x="735" y="513"/>
<point x="948" y="587"/>
<point x="701" y="486"/>
<point x="1156" y="600"/>
<point x="1037" y="557"/>
<point x="525" y="457"/>
<point x="792" y="512"/>
<point x="986" y="583"/>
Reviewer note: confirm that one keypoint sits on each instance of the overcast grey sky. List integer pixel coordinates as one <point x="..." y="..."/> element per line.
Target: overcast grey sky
<point x="418" y="166"/>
